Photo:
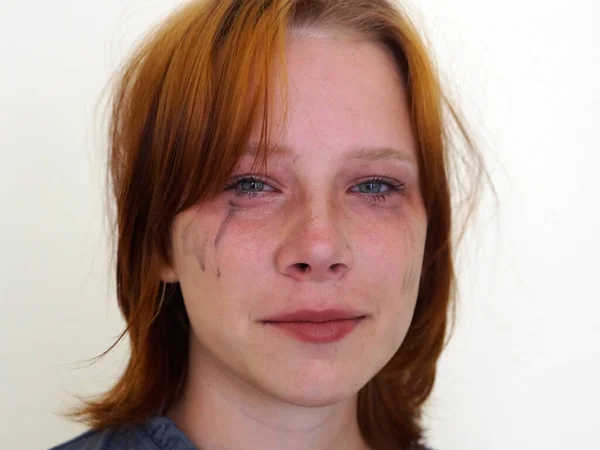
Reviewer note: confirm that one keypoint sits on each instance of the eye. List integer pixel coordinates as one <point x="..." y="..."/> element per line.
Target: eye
<point x="378" y="189"/>
<point x="251" y="185"/>
<point x="246" y="185"/>
<point x="373" y="187"/>
<point x="375" y="190"/>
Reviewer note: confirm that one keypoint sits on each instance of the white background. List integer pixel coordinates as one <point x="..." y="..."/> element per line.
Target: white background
<point x="523" y="368"/>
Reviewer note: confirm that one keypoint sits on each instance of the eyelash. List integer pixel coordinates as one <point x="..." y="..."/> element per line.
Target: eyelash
<point x="394" y="187"/>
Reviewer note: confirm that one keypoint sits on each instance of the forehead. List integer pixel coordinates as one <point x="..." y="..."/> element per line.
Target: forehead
<point x="342" y="94"/>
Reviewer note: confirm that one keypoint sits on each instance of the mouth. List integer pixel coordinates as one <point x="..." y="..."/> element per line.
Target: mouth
<point x="317" y="327"/>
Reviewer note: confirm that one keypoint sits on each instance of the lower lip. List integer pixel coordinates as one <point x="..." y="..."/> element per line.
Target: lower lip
<point x="318" y="332"/>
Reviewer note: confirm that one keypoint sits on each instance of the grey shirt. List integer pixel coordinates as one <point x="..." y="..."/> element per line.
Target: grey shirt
<point x="159" y="433"/>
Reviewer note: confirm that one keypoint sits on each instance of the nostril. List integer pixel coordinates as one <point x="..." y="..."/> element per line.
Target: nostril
<point x="336" y="267"/>
<point x="303" y="267"/>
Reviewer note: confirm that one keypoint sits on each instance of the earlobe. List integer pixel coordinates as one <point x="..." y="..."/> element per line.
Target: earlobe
<point x="168" y="274"/>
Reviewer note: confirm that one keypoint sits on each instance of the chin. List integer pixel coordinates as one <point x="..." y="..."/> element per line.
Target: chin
<point x="317" y="400"/>
<point x="318" y="391"/>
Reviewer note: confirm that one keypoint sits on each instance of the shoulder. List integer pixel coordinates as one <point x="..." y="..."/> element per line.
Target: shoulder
<point x="157" y="434"/>
<point x="110" y="439"/>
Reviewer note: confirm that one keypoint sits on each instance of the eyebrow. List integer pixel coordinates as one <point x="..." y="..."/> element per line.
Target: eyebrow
<point x="379" y="153"/>
<point x="368" y="154"/>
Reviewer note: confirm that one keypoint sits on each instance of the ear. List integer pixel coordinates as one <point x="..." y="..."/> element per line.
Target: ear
<point x="167" y="273"/>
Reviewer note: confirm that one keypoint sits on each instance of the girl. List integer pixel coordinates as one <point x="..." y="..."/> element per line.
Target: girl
<point x="284" y="266"/>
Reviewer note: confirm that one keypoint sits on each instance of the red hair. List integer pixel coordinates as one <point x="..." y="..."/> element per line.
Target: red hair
<point x="182" y="110"/>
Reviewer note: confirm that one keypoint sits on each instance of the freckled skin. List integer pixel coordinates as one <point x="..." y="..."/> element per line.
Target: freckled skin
<point x="310" y="241"/>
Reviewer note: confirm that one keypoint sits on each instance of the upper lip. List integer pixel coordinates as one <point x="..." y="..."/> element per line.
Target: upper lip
<point x="313" y="315"/>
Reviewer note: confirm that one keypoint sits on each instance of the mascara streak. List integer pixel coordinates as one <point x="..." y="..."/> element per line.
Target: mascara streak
<point x="412" y="274"/>
<point x="200" y="254"/>
<point x="409" y="279"/>
<point x="232" y="210"/>
<point x="190" y="245"/>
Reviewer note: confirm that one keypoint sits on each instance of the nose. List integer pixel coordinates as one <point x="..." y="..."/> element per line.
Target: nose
<point x="315" y="249"/>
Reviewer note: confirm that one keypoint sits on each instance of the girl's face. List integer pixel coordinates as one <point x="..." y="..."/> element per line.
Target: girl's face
<point x="300" y="282"/>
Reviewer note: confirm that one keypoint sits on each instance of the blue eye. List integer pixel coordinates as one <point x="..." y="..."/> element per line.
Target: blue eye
<point x="373" y="187"/>
<point x="378" y="189"/>
<point x="249" y="186"/>
<point x="374" y="190"/>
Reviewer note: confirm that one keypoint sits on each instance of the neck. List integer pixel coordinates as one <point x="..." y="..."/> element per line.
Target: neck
<point x="220" y="412"/>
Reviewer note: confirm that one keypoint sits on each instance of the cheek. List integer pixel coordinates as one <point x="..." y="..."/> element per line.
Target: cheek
<point x="393" y="250"/>
<point x="214" y="243"/>
<point x="402" y="272"/>
<point x="413" y="237"/>
<point x="246" y="250"/>
<point x="193" y="240"/>
<point x="246" y="233"/>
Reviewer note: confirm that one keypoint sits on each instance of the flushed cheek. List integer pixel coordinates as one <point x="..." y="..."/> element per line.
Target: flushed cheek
<point x="210" y="238"/>
<point x="198" y="232"/>
<point x="245" y="241"/>
<point x="395" y="277"/>
<point x="242" y="222"/>
<point x="247" y="251"/>
<point x="392" y="253"/>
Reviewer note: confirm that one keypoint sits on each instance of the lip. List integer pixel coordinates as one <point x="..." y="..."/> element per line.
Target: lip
<point x="313" y="315"/>
<point x="316" y="326"/>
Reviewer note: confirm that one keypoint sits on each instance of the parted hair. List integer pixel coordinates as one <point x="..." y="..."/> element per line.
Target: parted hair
<point x="181" y="110"/>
